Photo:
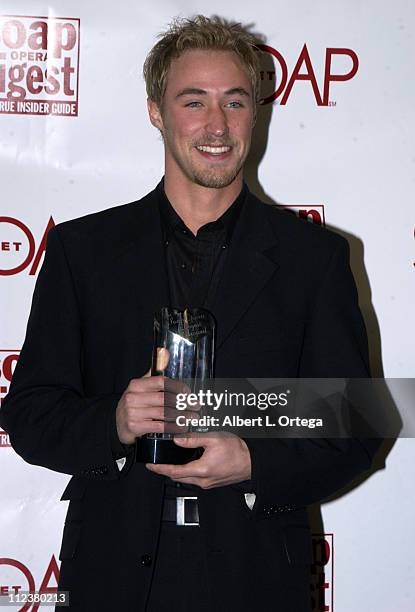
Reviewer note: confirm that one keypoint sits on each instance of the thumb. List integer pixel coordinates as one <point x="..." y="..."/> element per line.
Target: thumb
<point x="189" y="441"/>
<point x="162" y="359"/>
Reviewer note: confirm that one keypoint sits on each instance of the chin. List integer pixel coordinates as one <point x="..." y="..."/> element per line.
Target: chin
<point x="215" y="180"/>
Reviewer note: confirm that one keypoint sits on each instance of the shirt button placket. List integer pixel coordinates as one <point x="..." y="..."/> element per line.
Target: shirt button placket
<point x="146" y="560"/>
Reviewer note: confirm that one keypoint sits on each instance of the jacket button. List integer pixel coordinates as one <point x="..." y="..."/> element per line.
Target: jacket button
<point x="146" y="560"/>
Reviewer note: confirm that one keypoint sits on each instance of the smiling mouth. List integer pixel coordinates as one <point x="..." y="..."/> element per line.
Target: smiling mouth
<point x="213" y="150"/>
<point x="214" y="153"/>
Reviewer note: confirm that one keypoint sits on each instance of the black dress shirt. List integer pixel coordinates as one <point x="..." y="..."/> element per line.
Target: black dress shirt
<point x="194" y="264"/>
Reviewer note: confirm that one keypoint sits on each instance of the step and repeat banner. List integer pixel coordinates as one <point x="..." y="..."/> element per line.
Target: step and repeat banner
<point x="334" y="143"/>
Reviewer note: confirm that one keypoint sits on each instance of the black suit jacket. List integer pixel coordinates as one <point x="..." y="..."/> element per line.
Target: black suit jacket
<point x="287" y="289"/>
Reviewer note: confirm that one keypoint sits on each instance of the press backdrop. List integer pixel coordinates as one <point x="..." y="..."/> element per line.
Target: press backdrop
<point x="334" y="141"/>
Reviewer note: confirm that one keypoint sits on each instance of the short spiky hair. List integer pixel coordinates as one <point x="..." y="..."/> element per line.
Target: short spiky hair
<point x="200" y="32"/>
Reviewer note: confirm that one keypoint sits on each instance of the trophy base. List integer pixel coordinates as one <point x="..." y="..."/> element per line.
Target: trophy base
<point x="162" y="450"/>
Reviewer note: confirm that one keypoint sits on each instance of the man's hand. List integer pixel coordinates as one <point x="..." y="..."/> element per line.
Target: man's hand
<point x="148" y="405"/>
<point x="226" y="460"/>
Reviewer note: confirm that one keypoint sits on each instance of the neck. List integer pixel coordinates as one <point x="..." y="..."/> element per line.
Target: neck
<point x="197" y="205"/>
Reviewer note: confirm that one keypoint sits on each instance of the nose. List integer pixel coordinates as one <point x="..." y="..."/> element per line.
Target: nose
<point x="217" y="124"/>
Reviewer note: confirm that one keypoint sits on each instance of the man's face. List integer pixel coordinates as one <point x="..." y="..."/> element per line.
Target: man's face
<point x="206" y="117"/>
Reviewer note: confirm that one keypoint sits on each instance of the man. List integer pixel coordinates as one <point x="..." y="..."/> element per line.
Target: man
<point x="80" y="396"/>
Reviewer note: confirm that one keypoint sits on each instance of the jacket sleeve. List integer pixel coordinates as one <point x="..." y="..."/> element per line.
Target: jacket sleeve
<point x="46" y="413"/>
<point x="291" y="473"/>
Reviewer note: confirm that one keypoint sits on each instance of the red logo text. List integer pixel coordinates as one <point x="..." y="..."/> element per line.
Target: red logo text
<point x="20" y="578"/>
<point x="39" y="61"/>
<point x="18" y="248"/>
<point x="8" y="360"/>
<point x="322" y="573"/>
<point x="313" y="213"/>
<point x="279" y="81"/>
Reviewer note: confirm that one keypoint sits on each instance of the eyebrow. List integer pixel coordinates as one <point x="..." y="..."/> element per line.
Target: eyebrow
<point x="194" y="91"/>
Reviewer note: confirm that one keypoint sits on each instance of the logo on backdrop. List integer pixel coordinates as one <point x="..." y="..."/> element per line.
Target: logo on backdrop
<point x="8" y="360"/>
<point x="18" y="248"/>
<point x="279" y="81"/>
<point x="4" y="440"/>
<point x="313" y="213"/>
<point x="322" y="573"/>
<point x="16" y="577"/>
<point x="39" y="65"/>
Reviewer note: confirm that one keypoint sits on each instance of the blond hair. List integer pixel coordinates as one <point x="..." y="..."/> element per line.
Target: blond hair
<point x="200" y="32"/>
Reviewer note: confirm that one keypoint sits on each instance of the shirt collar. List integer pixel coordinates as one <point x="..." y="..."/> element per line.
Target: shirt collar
<point x="171" y="221"/>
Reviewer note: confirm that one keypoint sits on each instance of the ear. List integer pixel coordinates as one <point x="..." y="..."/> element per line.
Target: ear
<point x="154" y="114"/>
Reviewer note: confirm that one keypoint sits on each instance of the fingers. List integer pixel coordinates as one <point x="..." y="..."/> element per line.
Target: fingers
<point x="165" y="402"/>
<point x="157" y="383"/>
<point x="203" y="483"/>
<point x="149" y="405"/>
<point x="175" y="386"/>
<point x="134" y="400"/>
<point x="202" y="440"/>
<point x="143" y="410"/>
<point x="146" y="383"/>
<point x="148" y="412"/>
<point x="193" y="469"/>
<point x="225" y="460"/>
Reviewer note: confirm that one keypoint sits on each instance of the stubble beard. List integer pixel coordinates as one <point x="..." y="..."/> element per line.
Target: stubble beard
<point x="211" y="177"/>
<point x="214" y="178"/>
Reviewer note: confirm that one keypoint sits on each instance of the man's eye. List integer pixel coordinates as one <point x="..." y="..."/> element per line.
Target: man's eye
<point x="194" y="104"/>
<point x="235" y="104"/>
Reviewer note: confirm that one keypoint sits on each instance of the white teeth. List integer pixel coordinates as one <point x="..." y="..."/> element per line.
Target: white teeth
<point x="214" y="150"/>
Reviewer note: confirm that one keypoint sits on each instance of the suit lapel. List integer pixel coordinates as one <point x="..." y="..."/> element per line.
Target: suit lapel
<point x="251" y="262"/>
<point x="149" y="254"/>
<point x="142" y="280"/>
